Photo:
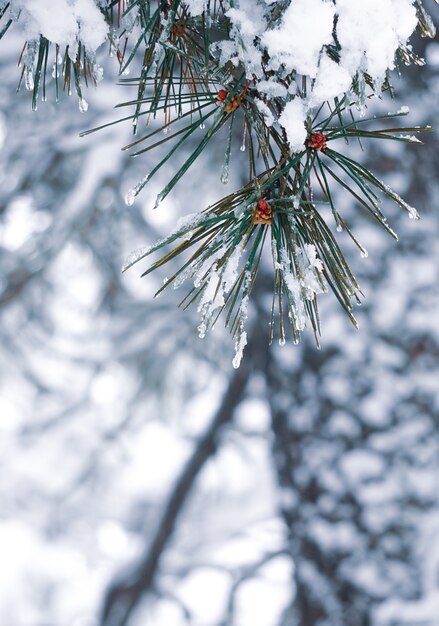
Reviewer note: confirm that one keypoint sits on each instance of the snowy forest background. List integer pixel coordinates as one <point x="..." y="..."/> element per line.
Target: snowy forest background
<point x="146" y="482"/>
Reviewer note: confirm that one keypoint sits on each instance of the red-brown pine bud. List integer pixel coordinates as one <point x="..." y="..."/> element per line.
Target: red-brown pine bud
<point x="263" y="213"/>
<point x="317" y="141"/>
<point x="221" y="95"/>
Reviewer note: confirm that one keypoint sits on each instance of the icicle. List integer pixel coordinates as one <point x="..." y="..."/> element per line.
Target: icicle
<point x="244" y="137"/>
<point x="239" y="350"/>
<point x="226" y="166"/>
<point x="29" y="79"/>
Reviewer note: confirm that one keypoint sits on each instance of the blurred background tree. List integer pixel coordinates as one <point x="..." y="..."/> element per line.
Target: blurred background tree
<point x="144" y="482"/>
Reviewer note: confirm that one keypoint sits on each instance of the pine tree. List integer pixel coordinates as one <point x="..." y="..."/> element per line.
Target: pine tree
<point x="215" y="67"/>
<point x="397" y="359"/>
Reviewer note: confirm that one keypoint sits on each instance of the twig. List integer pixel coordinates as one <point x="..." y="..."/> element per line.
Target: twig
<point x="123" y="597"/>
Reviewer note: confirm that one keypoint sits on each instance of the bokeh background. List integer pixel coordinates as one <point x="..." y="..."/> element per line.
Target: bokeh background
<point x="143" y="480"/>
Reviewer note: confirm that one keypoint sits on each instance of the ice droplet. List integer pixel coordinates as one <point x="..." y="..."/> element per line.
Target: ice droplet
<point x="225" y="176"/>
<point x="413" y="214"/>
<point x="339" y="228"/>
<point x="364" y="253"/>
<point x="132" y="193"/>
<point x="158" y="200"/>
<point x="129" y="197"/>
<point x="242" y="148"/>
<point x="83" y="105"/>
<point x="282" y="341"/>
<point x="202" y="125"/>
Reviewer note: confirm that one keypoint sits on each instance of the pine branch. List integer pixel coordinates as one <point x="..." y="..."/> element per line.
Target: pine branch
<point x="210" y="72"/>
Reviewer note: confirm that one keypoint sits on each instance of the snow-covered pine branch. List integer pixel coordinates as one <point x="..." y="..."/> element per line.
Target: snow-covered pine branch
<point x="289" y="77"/>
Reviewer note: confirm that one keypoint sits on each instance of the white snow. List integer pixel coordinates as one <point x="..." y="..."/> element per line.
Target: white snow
<point x="292" y="120"/>
<point x="332" y="81"/>
<point x="275" y="54"/>
<point x="63" y="22"/>
<point x="370" y="32"/>
<point x="306" y="27"/>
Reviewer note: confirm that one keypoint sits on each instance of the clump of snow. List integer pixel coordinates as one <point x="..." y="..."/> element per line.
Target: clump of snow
<point x="297" y="43"/>
<point x="64" y="22"/>
<point x="196" y="7"/>
<point x="293" y="121"/>
<point x="247" y="24"/>
<point x="370" y="32"/>
<point x="276" y="45"/>
<point x="332" y="80"/>
<point x="266" y="112"/>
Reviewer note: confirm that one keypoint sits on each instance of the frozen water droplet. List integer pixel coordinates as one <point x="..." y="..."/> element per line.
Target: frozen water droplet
<point x="202" y="125"/>
<point x="339" y="228"/>
<point x="126" y="71"/>
<point x="132" y="193"/>
<point x="158" y="201"/>
<point x="282" y="341"/>
<point x="242" y="148"/>
<point x="83" y="105"/>
<point x="413" y="214"/>
<point x="364" y="253"/>
<point x="129" y="197"/>
<point x="225" y="176"/>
